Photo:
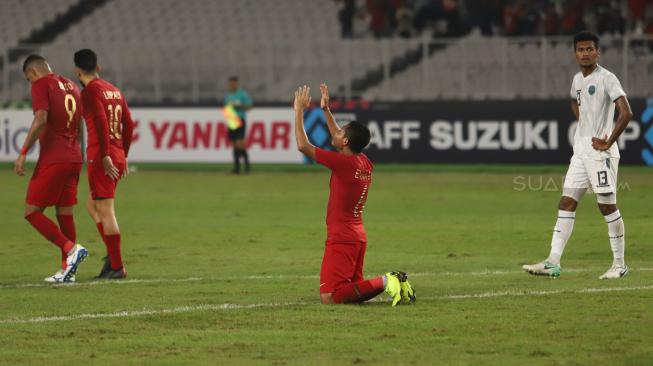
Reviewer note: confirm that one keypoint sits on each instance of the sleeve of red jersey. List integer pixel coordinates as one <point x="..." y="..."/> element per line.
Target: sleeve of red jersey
<point x="127" y="127"/>
<point x="94" y="108"/>
<point x="40" y="100"/>
<point x="330" y="159"/>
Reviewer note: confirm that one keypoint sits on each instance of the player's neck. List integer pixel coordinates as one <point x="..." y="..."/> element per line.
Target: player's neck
<point x="347" y="151"/>
<point x="586" y="70"/>
<point x="85" y="79"/>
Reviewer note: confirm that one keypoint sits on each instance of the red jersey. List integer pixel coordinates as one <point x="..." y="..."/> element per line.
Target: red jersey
<point x="108" y="121"/>
<point x="351" y="177"/>
<point x="59" y="139"/>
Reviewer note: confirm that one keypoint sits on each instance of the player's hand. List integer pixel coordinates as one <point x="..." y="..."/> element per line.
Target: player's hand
<point x="324" y="102"/>
<point x="19" y="165"/>
<point x="302" y="98"/>
<point x="600" y="144"/>
<point x="109" y="168"/>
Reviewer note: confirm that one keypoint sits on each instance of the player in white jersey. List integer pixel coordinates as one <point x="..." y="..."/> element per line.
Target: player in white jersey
<point x="594" y="91"/>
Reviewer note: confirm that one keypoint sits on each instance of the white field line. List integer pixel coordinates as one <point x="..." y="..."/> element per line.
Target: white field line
<point x="283" y="277"/>
<point x="219" y="307"/>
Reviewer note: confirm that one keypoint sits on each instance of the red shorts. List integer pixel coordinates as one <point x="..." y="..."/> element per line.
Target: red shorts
<point x="100" y="184"/>
<point x="342" y="264"/>
<point x="54" y="185"/>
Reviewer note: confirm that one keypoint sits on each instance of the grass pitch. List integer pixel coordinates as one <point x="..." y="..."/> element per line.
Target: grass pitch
<point x="223" y="269"/>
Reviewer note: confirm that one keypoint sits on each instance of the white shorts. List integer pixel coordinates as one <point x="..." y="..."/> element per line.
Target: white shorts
<point x="600" y="176"/>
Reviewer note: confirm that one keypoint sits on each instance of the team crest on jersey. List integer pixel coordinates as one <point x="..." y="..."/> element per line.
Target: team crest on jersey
<point x="592" y="89"/>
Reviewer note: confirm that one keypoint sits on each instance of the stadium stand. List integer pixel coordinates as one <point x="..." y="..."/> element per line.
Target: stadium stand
<point x="167" y="51"/>
<point x="19" y="18"/>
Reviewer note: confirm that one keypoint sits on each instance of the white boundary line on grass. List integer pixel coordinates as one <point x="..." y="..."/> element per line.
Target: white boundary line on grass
<point x="280" y="277"/>
<point x="218" y="307"/>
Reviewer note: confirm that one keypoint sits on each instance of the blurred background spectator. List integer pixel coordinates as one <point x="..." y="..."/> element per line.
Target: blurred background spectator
<point x="451" y="18"/>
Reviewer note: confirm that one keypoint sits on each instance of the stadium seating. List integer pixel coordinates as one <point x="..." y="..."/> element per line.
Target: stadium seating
<point x="18" y="18"/>
<point x="474" y="68"/>
<point x="183" y="52"/>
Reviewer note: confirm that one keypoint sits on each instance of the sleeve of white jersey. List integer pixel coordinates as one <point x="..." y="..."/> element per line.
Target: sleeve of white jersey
<point x="613" y="87"/>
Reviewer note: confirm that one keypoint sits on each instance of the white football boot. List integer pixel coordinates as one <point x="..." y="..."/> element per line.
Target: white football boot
<point x="77" y="256"/>
<point x="615" y="271"/>
<point x="58" y="278"/>
<point x="543" y="269"/>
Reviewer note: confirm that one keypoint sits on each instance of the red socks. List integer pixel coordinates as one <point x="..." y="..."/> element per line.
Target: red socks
<point x="100" y="229"/>
<point x="113" y="247"/>
<point x="67" y="226"/>
<point x="49" y="230"/>
<point x="112" y="242"/>
<point x="358" y="291"/>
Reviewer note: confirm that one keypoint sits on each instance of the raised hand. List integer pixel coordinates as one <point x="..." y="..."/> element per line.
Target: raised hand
<point x="302" y="98"/>
<point x="324" y="101"/>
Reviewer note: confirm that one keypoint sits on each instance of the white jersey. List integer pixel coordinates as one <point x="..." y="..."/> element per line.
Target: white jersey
<point x="595" y="95"/>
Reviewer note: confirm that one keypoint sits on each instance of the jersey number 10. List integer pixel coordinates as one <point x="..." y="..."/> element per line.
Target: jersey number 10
<point x="115" y="116"/>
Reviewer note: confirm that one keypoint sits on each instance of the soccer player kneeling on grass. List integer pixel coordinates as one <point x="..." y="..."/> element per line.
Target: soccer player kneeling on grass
<point x="341" y="276"/>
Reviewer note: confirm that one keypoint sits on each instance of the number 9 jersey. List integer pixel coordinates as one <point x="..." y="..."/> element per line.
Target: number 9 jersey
<point x="59" y="140"/>
<point x="108" y="121"/>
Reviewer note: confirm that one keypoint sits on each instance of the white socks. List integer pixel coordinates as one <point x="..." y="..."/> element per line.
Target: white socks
<point x="616" y="232"/>
<point x="561" y="233"/>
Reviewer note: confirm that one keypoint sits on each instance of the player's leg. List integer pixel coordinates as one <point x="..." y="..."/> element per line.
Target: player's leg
<point x="44" y="190"/>
<point x="67" y="226"/>
<point x="75" y="254"/>
<point x="350" y="259"/>
<point x="604" y="183"/>
<point x="102" y="191"/>
<point x="64" y="208"/>
<point x="106" y="211"/>
<point x="242" y="147"/>
<point x="233" y="137"/>
<point x="575" y="186"/>
<point x="339" y="267"/>
<point x="407" y="292"/>
<point x="243" y="152"/>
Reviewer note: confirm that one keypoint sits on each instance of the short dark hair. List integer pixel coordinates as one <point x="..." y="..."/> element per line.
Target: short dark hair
<point x="586" y="36"/>
<point x="233" y="78"/>
<point x="32" y="59"/>
<point x="86" y="60"/>
<point x="358" y="135"/>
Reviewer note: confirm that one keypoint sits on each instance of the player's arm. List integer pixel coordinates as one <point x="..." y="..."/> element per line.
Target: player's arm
<point x="247" y="102"/>
<point x="39" y="121"/>
<point x="302" y="101"/>
<point x="625" y="115"/>
<point x="574" y="109"/>
<point x="324" y="104"/>
<point x="95" y="108"/>
<point x="127" y="128"/>
<point x="127" y="133"/>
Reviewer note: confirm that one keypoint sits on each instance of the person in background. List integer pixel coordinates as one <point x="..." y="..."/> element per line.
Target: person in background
<point x="240" y="100"/>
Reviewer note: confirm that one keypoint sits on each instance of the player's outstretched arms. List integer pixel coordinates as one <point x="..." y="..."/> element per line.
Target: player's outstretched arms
<point x="324" y="104"/>
<point x="302" y="101"/>
<point x="40" y="119"/>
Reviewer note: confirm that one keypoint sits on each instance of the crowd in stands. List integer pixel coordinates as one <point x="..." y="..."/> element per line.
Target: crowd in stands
<point x="452" y="18"/>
